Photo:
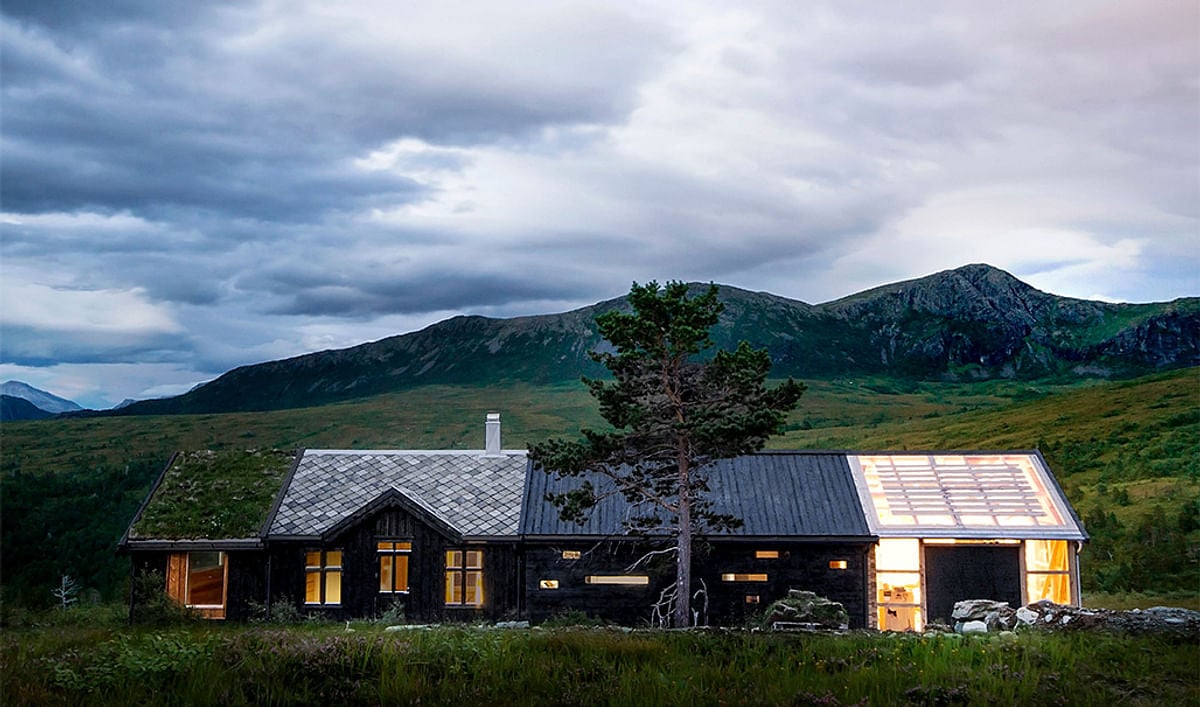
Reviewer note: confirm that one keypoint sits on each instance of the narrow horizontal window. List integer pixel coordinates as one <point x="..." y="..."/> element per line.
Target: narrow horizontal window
<point x="753" y="599"/>
<point x="571" y="554"/>
<point x="744" y="577"/>
<point x="766" y="554"/>
<point x="547" y="584"/>
<point x="626" y="579"/>
<point x="838" y="564"/>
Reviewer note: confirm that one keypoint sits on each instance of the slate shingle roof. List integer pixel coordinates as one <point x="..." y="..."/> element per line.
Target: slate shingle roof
<point x="774" y="493"/>
<point x="476" y="495"/>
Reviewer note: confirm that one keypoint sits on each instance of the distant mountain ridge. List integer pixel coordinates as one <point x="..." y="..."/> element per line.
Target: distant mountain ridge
<point x="14" y="408"/>
<point x="972" y="322"/>
<point x="47" y="402"/>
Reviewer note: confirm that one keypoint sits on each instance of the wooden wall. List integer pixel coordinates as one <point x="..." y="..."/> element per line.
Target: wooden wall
<point x="425" y="600"/>
<point x="800" y="566"/>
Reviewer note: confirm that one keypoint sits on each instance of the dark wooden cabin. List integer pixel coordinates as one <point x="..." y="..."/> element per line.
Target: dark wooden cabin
<point x="357" y="532"/>
<point x="896" y="537"/>
<point x="802" y="528"/>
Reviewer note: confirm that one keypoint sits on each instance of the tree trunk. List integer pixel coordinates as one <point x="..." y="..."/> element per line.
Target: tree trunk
<point x="683" y="558"/>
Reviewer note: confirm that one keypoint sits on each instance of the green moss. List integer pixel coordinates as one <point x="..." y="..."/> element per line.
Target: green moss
<point x="214" y="495"/>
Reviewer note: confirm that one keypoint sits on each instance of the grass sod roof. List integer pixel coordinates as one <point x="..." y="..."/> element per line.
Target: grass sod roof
<point x="214" y="496"/>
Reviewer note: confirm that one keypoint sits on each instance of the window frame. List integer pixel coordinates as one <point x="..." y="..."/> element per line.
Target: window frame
<point x="324" y="570"/>
<point x="458" y="575"/>
<point x="179" y="582"/>
<point x="391" y="555"/>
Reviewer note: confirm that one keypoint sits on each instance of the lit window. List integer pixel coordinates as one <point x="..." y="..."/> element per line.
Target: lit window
<point x="571" y="554"/>
<point x="766" y="554"/>
<point x="393" y="565"/>
<point x="743" y="577"/>
<point x="323" y="577"/>
<point x="838" y="564"/>
<point x="627" y="579"/>
<point x="1047" y="571"/>
<point x="547" y="584"/>
<point x="464" y="578"/>
<point x="753" y="599"/>
<point x="198" y="581"/>
<point x="898" y="584"/>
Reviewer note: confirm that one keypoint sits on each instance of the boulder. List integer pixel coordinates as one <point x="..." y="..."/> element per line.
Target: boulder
<point x="996" y="615"/>
<point x="807" y="610"/>
<point x="975" y="609"/>
<point x="974" y="627"/>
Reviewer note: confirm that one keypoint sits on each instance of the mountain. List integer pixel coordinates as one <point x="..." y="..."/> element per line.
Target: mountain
<point x="39" y="398"/>
<point x="973" y="322"/>
<point x="13" y="408"/>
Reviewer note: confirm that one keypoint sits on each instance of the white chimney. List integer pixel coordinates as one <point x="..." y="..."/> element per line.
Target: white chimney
<point x="492" y="435"/>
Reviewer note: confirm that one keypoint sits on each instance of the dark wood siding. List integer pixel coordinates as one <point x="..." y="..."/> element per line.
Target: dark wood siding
<point x="246" y="584"/>
<point x="800" y="566"/>
<point x="425" y="600"/>
<point x="627" y="605"/>
<point x="803" y="566"/>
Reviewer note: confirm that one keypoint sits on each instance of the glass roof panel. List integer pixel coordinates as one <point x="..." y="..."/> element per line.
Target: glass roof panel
<point x="963" y="495"/>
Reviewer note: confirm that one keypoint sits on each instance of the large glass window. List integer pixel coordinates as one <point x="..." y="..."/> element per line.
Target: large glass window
<point x="323" y="577"/>
<point x="898" y="584"/>
<point x="464" y="578"/>
<point x="198" y="580"/>
<point x="1048" y="571"/>
<point x="393" y="565"/>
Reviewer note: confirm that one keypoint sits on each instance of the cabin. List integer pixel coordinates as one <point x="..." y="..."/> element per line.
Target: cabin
<point x="449" y="535"/>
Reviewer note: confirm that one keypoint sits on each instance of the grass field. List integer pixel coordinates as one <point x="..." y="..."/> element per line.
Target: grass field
<point x="363" y="665"/>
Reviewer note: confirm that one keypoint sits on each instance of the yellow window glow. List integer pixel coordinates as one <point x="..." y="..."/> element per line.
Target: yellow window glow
<point x="312" y="588"/>
<point x="766" y="554"/>
<point x="571" y="554"/>
<point x="838" y="564"/>
<point x="1055" y="587"/>
<point x="333" y="587"/>
<point x="626" y="579"/>
<point x="1047" y="556"/>
<point x="898" y="554"/>
<point x="744" y="577"/>
<point x="547" y="584"/>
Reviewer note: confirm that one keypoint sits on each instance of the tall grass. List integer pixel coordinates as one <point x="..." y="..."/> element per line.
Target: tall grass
<point x="568" y="666"/>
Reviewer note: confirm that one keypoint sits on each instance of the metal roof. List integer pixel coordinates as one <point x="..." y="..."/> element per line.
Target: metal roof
<point x="471" y="493"/>
<point x="801" y="494"/>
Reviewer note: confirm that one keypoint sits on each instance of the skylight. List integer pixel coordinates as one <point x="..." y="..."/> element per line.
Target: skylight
<point x="961" y="495"/>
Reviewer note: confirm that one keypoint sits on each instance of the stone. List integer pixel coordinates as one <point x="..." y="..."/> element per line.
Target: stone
<point x="969" y="627"/>
<point x="976" y="609"/>
<point x="807" y="609"/>
<point x="1027" y="616"/>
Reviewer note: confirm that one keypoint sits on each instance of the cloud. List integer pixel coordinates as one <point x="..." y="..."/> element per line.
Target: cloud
<point x="204" y="185"/>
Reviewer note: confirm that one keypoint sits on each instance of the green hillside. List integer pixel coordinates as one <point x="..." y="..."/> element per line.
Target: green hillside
<point x="969" y="324"/>
<point x="1125" y="452"/>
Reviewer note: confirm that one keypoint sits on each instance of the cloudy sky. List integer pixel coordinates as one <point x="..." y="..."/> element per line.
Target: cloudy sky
<point x="191" y="186"/>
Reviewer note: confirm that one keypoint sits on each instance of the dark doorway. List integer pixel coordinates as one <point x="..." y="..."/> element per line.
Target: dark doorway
<point x="955" y="573"/>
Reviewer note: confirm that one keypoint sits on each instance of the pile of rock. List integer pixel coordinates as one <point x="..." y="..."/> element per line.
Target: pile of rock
<point x="805" y="611"/>
<point x="986" y="616"/>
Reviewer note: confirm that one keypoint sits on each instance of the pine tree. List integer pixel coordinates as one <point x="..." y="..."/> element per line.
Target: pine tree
<point x="673" y="414"/>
